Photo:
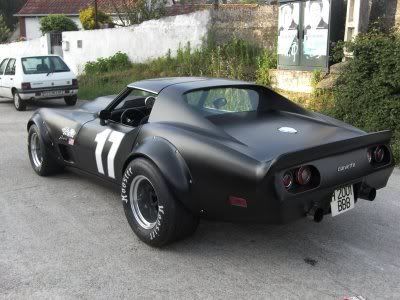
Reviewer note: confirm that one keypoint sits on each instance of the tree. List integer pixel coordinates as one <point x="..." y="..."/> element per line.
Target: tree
<point x="136" y="12"/>
<point x="87" y="18"/>
<point x="8" y="8"/>
<point x="4" y="30"/>
<point x="57" y="23"/>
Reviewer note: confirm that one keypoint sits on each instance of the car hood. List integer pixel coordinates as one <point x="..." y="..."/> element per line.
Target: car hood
<point x="261" y="135"/>
<point x="66" y="123"/>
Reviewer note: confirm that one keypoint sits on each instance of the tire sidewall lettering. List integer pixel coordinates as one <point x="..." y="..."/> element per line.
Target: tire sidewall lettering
<point x="153" y="233"/>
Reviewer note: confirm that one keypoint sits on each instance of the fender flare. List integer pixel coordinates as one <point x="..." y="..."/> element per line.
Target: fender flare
<point x="51" y="146"/>
<point x="170" y="163"/>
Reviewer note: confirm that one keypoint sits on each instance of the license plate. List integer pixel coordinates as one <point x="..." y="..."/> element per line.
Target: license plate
<point x="53" y="93"/>
<point x="342" y="200"/>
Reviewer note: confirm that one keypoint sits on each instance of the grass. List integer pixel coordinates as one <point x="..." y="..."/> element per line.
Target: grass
<point x="236" y="59"/>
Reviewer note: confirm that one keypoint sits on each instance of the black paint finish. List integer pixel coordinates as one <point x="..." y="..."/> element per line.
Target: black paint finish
<point x="207" y="160"/>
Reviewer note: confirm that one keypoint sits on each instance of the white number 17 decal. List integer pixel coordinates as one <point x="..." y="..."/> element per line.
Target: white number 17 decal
<point x="115" y="138"/>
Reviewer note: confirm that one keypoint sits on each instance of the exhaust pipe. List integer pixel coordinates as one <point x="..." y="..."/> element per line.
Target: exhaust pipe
<point x="367" y="193"/>
<point x="315" y="214"/>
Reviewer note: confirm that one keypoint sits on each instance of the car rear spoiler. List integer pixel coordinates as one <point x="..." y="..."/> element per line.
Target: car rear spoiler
<point x="308" y="154"/>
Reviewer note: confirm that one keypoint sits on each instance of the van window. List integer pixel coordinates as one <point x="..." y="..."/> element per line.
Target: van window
<point x="43" y="65"/>
<point x="10" y="70"/>
<point x="3" y="66"/>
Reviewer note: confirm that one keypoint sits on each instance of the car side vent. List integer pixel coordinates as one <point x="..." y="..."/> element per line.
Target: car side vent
<point x="66" y="153"/>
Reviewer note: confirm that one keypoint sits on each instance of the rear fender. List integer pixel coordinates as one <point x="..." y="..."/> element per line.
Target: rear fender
<point x="45" y="134"/>
<point x="169" y="162"/>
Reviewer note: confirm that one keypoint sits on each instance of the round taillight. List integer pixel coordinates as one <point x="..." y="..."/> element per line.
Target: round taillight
<point x="287" y="180"/>
<point x="379" y="154"/>
<point x="303" y="175"/>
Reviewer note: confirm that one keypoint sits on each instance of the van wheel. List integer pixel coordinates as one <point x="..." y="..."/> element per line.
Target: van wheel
<point x="153" y="213"/>
<point x="71" y="100"/>
<point x="18" y="103"/>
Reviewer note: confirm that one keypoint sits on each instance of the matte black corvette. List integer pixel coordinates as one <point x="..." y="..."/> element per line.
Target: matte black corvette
<point x="185" y="148"/>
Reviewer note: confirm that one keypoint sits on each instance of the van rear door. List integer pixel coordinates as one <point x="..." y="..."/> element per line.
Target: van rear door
<point x="8" y="79"/>
<point x="3" y="65"/>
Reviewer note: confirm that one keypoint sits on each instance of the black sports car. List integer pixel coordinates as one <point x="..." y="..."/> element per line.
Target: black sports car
<point x="185" y="148"/>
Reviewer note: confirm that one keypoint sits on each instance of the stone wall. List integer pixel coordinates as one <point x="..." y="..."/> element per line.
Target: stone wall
<point x="254" y="23"/>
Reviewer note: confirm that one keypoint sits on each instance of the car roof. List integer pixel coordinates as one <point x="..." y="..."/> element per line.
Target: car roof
<point x="156" y="85"/>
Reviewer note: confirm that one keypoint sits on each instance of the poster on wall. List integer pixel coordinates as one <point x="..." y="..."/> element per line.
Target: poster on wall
<point x="288" y="24"/>
<point x="316" y="28"/>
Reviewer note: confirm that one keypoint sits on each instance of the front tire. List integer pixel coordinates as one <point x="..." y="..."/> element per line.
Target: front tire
<point x="71" y="100"/>
<point x="42" y="163"/>
<point x="155" y="216"/>
<point x="19" y="104"/>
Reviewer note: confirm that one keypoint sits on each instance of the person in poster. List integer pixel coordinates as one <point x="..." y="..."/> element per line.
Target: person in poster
<point x="288" y="30"/>
<point x="316" y="29"/>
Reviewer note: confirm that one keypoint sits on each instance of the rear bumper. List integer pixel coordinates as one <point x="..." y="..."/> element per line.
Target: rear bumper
<point x="48" y="93"/>
<point x="297" y="206"/>
<point x="270" y="205"/>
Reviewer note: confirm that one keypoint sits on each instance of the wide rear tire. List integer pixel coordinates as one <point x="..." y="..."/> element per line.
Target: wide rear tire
<point x="41" y="160"/>
<point x="153" y="213"/>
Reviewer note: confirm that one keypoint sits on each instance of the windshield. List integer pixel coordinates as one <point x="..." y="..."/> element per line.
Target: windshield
<point x="43" y="65"/>
<point x="223" y="100"/>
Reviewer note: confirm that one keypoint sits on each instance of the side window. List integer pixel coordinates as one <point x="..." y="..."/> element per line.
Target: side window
<point x="10" y="70"/>
<point x="3" y="66"/>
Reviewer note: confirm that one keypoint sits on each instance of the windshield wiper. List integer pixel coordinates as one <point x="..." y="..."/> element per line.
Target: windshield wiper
<point x="50" y="72"/>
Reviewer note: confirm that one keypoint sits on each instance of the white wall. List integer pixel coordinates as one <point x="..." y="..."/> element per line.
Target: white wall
<point x="32" y="25"/>
<point x="37" y="46"/>
<point x="142" y="42"/>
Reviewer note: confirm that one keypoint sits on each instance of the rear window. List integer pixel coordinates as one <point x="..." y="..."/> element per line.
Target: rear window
<point x="223" y="100"/>
<point x="43" y="65"/>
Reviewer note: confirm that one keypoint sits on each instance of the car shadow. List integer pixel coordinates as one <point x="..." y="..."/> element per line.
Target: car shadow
<point x="303" y="242"/>
<point x="36" y="104"/>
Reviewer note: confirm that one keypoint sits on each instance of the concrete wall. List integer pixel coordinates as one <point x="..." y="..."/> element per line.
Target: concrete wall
<point x="32" y="25"/>
<point x="37" y="46"/>
<point x="149" y="40"/>
<point x="292" y="80"/>
<point x="254" y="23"/>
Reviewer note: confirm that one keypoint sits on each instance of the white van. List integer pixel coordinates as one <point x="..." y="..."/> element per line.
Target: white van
<point x="37" y="77"/>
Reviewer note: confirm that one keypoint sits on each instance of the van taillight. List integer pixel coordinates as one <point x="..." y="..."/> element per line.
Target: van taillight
<point x="75" y="82"/>
<point x="26" y="85"/>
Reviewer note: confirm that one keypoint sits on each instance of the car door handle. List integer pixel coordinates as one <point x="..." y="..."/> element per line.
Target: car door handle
<point x="11" y="78"/>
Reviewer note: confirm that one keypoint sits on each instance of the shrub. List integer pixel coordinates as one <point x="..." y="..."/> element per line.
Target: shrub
<point x="267" y="61"/>
<point x="57" y="23"/>
<point x="336" y="53"/>
<point x="87" y="18"/>
<point x="139" y="11"/>
<point x="119" y="61"/>
<point x="368" y="90"/>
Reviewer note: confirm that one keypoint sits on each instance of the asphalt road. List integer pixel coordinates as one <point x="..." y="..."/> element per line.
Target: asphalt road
<point x="67" y="237"/>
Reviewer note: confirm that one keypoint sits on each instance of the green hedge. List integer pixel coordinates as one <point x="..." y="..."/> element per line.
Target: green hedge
<point x="57" y="23"/>
<point x="368" y="91"/>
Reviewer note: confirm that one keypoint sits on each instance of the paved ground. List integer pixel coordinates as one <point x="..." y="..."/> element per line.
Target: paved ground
<point x="67" y="237"/>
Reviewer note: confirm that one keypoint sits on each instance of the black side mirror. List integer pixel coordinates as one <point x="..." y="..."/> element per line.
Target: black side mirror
<point x="104" y="115"/>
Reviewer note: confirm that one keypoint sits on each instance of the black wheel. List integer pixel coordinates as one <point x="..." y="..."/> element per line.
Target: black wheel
<point x="41" y="161"/>
<point x="152" y="212"/>
<point x="19" y="104"/>
<point x="71" y="100"/>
